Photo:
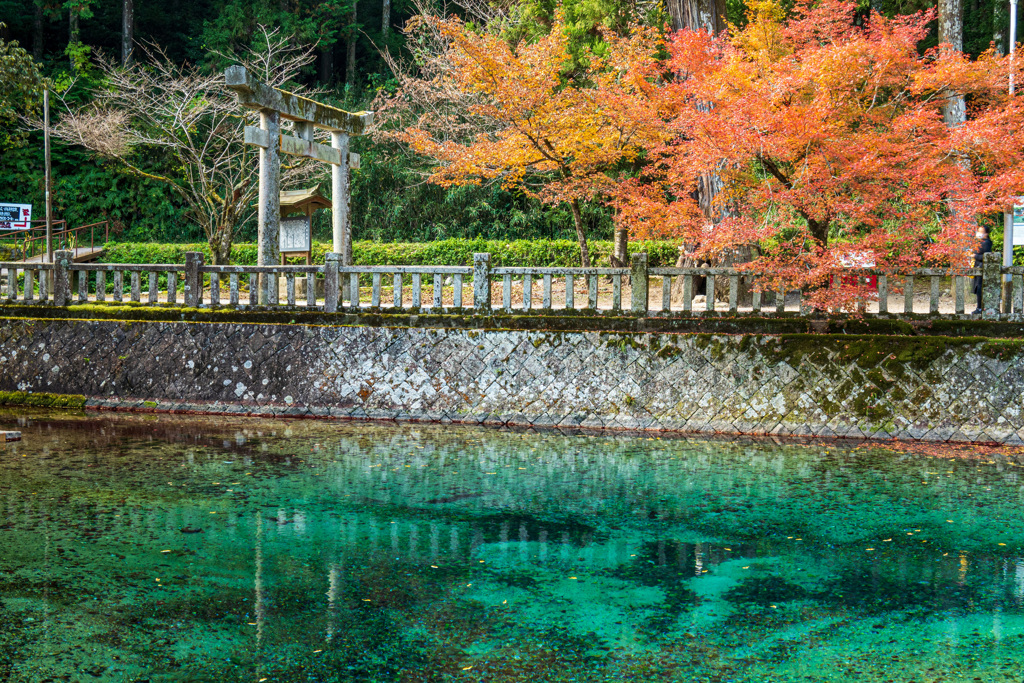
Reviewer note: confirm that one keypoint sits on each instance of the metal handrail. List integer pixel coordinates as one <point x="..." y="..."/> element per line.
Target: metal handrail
<point x="29" y="243"/>
<point x="24" y="234"/>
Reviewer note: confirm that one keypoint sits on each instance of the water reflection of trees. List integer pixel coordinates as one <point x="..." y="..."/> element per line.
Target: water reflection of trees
<point x="331" y="513"/>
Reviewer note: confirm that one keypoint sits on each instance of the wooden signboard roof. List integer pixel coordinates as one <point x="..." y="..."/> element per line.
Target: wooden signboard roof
<point x="299" y="200"/>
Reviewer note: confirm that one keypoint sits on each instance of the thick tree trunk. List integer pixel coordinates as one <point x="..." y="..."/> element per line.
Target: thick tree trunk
<point x="37" y="32"/>
<point x="702" y="15"/>
<point x="385" y="20"/>
<point x="951" y="33"/>
<point x="350" y="64"/>
<point x="620" y="248"/>
<point x="819" y="230"/>
<point x="998" y="24"/>
<point x="220" y="237"/>
<point x="708" y="15"/>
<point x="581" y="235"/>
<point x="326" y="65"/>
<point x="127" y="32"/>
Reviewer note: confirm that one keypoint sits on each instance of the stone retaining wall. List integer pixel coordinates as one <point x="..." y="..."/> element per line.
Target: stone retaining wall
<point x="933" y="388"/>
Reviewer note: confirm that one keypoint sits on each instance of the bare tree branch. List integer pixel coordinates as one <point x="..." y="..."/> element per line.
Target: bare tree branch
<point x="187" y="116"/>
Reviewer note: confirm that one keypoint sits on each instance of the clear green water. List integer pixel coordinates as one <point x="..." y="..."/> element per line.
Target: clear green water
<point x="172" y="549"/>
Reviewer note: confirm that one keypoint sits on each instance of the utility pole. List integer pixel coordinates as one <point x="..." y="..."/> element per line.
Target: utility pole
<point x="46" y="162"/>
<point x="1008" y="216"/>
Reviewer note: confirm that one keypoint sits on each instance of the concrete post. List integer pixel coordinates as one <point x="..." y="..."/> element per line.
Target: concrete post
<point x="62" y="277"/>
<point x="331" y="282"/>
<point x="482" y="283"/>
<point x="193" y="279"/>
<point x="639" y="282"/>
<point x="1007" y="257"/>
<point x="991" y="283"/>
<point x="269" y="206"/>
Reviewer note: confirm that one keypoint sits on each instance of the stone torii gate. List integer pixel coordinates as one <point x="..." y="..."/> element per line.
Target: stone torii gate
<point x="273" y="105"/>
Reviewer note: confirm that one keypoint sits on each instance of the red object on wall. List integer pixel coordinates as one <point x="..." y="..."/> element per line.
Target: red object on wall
<point x="870" y="281"/>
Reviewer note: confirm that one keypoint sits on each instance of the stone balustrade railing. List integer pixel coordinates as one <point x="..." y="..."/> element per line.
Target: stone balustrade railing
<point x="332" y="287"/>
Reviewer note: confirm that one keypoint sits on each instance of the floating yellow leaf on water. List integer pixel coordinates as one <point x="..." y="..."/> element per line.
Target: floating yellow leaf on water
<point x="572" y="577"/>
<point x="504" y="602"/>
<point x="366" y="599"/>
<point x="747" y="567"/>
<point x="1002" y="544"/>
<point x="466" y="668"/>
<point x="315" y="651"/>
<point x="433" y="566"/>
<point x="165" y="551"/>
<point x="252" y="623"/>
<point x="868" y="548"/>
<point x="886" y="539"/>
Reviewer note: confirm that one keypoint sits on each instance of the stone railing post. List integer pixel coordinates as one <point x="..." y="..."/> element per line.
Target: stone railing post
<point x="991" y="283"/>
<point x="482" y="283"/>
<point x="193" y="279"/>
<point x="62" y="277"/>
<point x="331" y="261"/>
<point x="639" y="281"/>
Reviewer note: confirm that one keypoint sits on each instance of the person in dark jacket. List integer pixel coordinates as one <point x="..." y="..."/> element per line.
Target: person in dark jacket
<point x="984" y="246"/>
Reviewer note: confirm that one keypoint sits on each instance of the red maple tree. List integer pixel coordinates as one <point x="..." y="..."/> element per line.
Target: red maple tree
<point x="830" y="143"/>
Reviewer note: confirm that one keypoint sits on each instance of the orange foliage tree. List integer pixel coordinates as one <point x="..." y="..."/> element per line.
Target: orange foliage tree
<point x="830" y="142"/>
<point x="556" y="140"/>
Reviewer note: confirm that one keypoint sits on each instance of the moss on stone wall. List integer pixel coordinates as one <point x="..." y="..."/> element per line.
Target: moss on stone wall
<point x="41" y="400"/>
<point x="542" y="320"/>
<point x="869" y="351"/>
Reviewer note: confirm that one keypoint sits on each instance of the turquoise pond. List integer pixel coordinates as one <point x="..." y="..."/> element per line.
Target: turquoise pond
<point x="142" y="548"/>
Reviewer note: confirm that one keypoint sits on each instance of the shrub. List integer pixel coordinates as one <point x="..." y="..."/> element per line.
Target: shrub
<point x="449" y="252"/>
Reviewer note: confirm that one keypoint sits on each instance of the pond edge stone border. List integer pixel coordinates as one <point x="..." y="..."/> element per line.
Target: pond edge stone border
<point x="929" y="388"/>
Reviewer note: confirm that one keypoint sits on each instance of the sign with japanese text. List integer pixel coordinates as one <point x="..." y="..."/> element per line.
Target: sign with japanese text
<point x="294" y="235"/>
<point x="15" y="216"/>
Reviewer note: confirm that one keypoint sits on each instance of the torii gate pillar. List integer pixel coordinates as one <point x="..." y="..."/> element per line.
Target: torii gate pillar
<point x="340" y="191"/>
<point x="273" y="105"/>
<point x="269" y="200"/>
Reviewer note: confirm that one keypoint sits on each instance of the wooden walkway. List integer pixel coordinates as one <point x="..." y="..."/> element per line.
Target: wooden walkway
<point x="82" y="255"/>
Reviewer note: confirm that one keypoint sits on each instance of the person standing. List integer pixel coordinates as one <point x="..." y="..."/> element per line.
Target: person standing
<point x="984" y="246"/>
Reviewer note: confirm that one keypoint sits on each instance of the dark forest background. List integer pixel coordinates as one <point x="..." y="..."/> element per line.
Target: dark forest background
<point x="390" y="201"/>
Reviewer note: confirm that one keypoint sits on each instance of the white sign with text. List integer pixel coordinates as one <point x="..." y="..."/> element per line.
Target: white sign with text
<point x="15" y="216"/>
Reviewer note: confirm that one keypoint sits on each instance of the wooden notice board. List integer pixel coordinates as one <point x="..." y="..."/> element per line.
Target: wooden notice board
<point x="296" y="232"/>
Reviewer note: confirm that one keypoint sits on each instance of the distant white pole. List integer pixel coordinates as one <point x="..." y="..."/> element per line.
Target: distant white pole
<point x="1013" y="38"/>
<point x="46" y="164"/>
<point x="1008" y="217"/>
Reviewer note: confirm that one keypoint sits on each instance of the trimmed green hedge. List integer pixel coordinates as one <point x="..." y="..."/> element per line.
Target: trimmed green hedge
<point x="450" y="252"/>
